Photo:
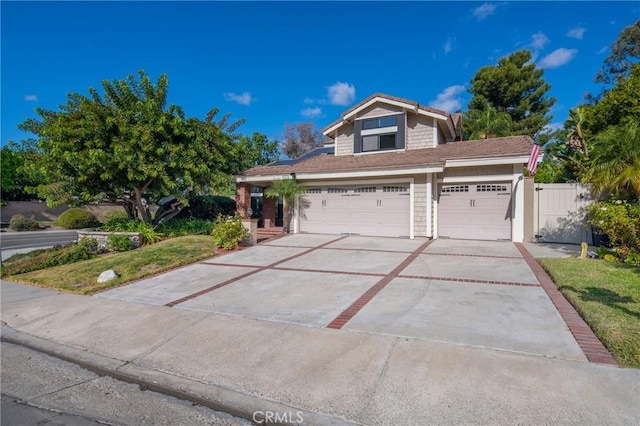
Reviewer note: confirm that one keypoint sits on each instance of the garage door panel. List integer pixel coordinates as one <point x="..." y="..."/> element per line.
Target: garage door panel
<point x="475" y="211"/>
<point x="364" y="210"/>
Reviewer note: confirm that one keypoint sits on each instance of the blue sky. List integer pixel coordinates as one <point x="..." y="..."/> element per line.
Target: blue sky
<point x="277" y="63"/>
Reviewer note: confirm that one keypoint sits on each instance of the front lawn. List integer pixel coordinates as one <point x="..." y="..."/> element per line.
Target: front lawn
<point x="607" y="296"/>
<point x="80" y="277"/>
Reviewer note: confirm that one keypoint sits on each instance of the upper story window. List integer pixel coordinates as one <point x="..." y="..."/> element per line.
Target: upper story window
<point x="379" y="133"/>
<point x="375" y="123"/>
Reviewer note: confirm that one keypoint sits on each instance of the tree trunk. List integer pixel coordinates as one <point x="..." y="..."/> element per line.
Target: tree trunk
<point x="143" y="210"/>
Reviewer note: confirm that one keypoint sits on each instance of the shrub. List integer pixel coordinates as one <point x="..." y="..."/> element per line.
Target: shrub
<point x="182" y="227"/>
<point x="119" y="242"/>
<point x="77" y="219"/>
<point x="228" y="232"/>
<point x="207" y="207"/>
<point x="46" y="258"/>
<point x="115" y="215"/>
<point x="620" y="221"/>
<point x="90" y="244"/>
<point x="21" y="223"/>
<point x="147" y="232"/>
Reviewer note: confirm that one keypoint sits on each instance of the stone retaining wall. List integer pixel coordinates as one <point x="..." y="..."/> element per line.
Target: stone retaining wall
<point x="103" y="237"/>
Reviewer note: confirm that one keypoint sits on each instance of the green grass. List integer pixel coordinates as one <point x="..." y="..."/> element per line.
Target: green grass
<point x="80" y="277"/>
<point x="607" y="296"/>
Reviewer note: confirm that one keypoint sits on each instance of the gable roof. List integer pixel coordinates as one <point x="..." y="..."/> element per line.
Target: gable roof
<point x="511" y="146"/>
<point x="390" y="100"/>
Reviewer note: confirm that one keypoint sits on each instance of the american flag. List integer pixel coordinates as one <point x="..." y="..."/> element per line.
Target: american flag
<point x="532" y="166"/>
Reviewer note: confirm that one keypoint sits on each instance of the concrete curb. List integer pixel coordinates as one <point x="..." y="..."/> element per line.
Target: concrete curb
<point x="212" y="396"/>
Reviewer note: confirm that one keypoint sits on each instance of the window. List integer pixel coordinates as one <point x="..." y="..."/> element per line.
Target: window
<point x="378" y="142"/>
<point x="455" y="188"/>
<point x="313" y="190"/>
<point x="336" y="190"/>
<point x="365" y="189"/>
<point x="379" y="134"/>
<point x="491" y="188"/>
<point x="375" y="123"/>
<point x="395" y="189"/>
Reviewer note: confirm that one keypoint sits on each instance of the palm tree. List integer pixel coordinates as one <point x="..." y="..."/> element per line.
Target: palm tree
<point x="289" y="190"/>
<point x="487" y="123"/>
<point x="614" y="164"/>
<point x="575" y="139"/>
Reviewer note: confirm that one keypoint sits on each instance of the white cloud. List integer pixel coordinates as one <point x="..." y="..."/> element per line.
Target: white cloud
<point x="577" y="33"/>
<point x="558" y="58"/>
<point x="341" y="93"/>
<point x="539" y="40"/>
<point x="309" y="101"/>
<point x="602" y="50"/>
<point x="311" y="112"/>
<point x="30" y="98"/>
<point x="486" y="9"/>
<point x="448" y="45"/>
<point x="449" y="99"/>
<point x="243" y="99"/>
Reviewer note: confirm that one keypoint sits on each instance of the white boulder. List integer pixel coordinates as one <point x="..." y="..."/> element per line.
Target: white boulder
<point x="107" y="276"/>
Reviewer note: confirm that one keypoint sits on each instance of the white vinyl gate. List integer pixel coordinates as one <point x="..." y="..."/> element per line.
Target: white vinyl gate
<point x="559" y="213"/>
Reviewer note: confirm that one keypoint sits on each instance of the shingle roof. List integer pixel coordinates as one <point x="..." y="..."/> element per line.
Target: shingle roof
<point x="393" y="98"/>
<point x="496" y="147"/>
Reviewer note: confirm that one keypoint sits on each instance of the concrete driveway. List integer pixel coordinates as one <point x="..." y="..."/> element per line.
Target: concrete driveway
<point x="470" y="293"/>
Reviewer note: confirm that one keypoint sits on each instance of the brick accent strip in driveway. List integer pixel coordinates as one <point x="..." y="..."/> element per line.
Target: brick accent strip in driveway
<point x="592" y="347"/>
<point x="356" y="306"/>
<point x="248" y="274"/>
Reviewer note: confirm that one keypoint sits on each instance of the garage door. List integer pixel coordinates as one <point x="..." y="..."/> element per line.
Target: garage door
<point x="380" y="210"/>
<point x="475" y="211"/>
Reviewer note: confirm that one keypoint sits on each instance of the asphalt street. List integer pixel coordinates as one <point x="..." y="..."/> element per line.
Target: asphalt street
<point x="19" y="240"/>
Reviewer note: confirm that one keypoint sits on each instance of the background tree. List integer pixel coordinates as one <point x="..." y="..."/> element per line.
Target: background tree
<point x="624" y="52"/>
<point x="614" y="164"/>
<point x="127" y="146"/>
<point x="517" y="87"/>
<point x="289" y="190"/>
<point x="300" y="138"/>
<point x="486" y="123"/>
<point x="616" y="105"/>
<point x="15" y="178"/>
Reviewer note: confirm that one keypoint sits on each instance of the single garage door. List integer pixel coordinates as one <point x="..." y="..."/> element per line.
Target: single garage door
<point x="475" y="211"/>
<point x="379" y="210"/>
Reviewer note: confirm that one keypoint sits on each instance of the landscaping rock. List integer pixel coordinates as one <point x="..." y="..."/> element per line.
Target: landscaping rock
<point x="107" y="276"/>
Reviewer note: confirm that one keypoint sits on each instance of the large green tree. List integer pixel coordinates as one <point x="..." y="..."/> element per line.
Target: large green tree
<point x="127" y="145"/>
<point x="625" y="51"/>
<point x="517" y="87"/>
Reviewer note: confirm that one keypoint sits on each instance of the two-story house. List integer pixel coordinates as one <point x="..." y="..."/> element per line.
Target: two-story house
<point x="396" y="168"/>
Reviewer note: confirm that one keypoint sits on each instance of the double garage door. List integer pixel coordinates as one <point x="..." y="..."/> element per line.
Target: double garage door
<point x="475" y="211"/>
<point x="380" y="210"/>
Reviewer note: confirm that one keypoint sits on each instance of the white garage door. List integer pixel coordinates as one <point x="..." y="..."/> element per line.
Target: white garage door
<point x="475" y="211"/>
<point x="380" y="210"/>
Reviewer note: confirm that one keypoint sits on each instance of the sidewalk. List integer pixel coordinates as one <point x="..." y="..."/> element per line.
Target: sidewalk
<point x="240" y="365"/>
